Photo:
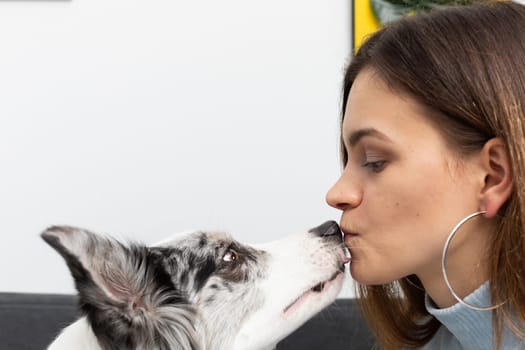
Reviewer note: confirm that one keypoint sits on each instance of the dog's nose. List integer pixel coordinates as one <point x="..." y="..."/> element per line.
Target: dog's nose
<point x="329" y="228"/>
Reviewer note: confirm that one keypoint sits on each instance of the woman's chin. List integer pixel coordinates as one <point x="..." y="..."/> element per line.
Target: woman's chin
<point x="359" y="274"/>
<point x="366" y="276"/>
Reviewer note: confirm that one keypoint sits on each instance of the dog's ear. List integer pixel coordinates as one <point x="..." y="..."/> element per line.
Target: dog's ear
<point x="92" y="260"/>
<point x="125" y="292"/>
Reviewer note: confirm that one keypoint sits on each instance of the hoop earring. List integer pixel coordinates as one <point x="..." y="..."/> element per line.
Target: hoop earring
<point x="445" y="276"/>
<point x="407" y="278"/>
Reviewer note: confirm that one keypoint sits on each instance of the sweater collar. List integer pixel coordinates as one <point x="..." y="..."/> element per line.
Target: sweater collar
<point x="472" y="328"/>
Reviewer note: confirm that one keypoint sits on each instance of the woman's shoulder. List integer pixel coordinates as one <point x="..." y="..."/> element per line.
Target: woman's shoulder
<point x="445" y="340"/>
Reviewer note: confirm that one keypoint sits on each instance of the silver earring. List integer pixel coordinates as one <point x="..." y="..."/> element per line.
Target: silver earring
<point x="407" y="278"/>
<point x="443" y="263"/>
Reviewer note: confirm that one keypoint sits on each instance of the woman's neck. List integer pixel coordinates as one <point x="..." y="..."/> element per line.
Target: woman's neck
<point x="467" y="269"/>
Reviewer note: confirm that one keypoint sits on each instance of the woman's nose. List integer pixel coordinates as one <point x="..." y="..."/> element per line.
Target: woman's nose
<point x="343" y="195"/>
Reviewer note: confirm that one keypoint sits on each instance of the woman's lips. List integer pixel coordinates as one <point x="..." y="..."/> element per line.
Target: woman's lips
<point x="349" y="236"/>
<point x="349" y="233"/>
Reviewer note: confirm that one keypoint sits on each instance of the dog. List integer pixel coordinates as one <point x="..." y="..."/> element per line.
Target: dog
<point x="201" y="291"/>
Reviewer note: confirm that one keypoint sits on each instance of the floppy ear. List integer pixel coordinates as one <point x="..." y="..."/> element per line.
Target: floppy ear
<point x="125" y="292"/>
<point x="498" y="182"/>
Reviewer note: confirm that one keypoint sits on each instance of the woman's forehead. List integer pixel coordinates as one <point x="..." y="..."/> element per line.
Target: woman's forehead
<point x="375" y="108"/>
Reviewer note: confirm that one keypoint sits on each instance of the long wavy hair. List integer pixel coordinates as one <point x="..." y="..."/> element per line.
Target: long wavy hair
<point x="466" y="64"/>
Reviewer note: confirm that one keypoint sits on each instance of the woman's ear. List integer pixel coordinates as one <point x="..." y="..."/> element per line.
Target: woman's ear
<point x="498" y="176"/>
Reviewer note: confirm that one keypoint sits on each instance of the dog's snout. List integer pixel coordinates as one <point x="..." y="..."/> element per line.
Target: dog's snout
<point x="328" y="229"/>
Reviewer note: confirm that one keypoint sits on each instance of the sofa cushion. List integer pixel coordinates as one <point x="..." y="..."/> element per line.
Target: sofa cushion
<point x="338" y="327"/>
<point x="31" y="321"/>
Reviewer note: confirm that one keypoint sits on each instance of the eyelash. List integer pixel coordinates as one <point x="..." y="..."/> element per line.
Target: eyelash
<point x="375" y="166"/>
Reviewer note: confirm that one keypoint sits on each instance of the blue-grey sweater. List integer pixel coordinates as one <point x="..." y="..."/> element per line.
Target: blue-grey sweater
<point x="466" y="329"/>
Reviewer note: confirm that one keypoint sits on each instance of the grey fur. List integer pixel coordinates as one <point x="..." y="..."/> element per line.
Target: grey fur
<point x="170" y="297"/>
<point x="202" y="291"/>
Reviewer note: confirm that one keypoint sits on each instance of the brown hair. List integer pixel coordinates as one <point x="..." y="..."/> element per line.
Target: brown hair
<point x="466" y="65"/>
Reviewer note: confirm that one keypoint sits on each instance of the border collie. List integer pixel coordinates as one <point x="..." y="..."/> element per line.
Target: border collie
<point x="201" y="291"/>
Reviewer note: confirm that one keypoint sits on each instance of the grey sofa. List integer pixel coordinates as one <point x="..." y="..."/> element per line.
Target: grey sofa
<point x="31" y="321"/>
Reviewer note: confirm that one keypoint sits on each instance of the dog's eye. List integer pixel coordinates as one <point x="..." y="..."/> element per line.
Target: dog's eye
<point x="230" y="256"/>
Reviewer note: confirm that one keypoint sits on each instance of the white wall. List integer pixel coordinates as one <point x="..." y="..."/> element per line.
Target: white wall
<point x="144" y="118"/>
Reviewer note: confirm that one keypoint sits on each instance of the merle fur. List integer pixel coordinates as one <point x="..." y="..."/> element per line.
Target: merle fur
<point x="139" y="297"/>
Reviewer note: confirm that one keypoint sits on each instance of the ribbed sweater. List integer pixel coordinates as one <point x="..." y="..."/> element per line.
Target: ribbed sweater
<point x="466" y="329"/>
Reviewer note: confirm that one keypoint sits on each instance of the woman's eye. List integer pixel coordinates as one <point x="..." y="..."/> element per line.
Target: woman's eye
<point x="230" y="256"/>
<point x="375" y="166"/>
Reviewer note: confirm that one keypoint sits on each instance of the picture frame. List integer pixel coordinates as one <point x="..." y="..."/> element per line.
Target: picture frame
<point x="369" y="15"/>
<point x="364" y="22"/>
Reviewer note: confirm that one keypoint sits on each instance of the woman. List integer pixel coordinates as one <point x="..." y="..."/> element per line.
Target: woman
<point x="433" y="137"/>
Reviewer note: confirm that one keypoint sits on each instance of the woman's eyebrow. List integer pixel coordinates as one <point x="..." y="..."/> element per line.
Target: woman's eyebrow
<point x="357" y="135"/>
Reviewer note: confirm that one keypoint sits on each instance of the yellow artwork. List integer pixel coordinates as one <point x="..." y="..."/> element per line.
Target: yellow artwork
<point x="365" y="21"/>
<point x="370" y="15"/>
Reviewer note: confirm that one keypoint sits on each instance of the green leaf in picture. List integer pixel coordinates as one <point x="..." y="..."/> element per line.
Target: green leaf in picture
<point x="388" y="11"/>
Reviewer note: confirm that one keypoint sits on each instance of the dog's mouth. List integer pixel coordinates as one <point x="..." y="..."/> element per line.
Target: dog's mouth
<point x="317" y="289"/>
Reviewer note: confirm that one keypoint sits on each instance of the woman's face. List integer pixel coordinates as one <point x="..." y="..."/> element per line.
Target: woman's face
<point x="402" y="190"/>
